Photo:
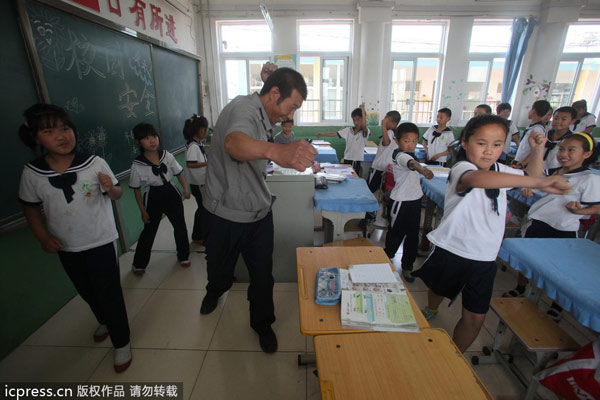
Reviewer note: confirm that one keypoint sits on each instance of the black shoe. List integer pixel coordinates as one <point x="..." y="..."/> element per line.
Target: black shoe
<point x="408" y="276"/>
<point x="268" y="341"/>
<point x="209" y="303"/>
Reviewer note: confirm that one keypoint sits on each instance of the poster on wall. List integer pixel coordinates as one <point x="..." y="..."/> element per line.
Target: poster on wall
<point x="288" y="61"/>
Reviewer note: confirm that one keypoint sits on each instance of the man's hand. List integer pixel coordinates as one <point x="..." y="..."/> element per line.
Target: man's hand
<point x="267" y="70"/>
<point x="298" y="155"/>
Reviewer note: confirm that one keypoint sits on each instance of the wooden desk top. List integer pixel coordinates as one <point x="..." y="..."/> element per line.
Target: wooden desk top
<point x="323" y="320"/>
<point x="395" y="365"/>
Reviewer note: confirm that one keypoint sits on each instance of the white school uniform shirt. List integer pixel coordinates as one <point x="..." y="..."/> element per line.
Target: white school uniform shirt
<point x="408" y="185"/>
<point x="583" y="123"/>
<point x="78" y="211"/>
<point x="384" y="153"/>
<point x="195" y="153"/>
<point x="355" y="143"/>
<point x="470" y="227"/>
<point x="512" y="129"/>
<point x="551" y="207"/>
<point x="145" y="173"/>
<point x="524" y="148"/>
<point x="551" y="150"/>
<point x="436" y="145"/>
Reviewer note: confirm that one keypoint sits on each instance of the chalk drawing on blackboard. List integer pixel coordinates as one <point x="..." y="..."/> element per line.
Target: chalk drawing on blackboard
<point x="82" y="56"/>
<point x="74" y="106"/>
<point x="94" y="141"/>
<point x="128" y="100"/>
<point x="131" y="142"/>
<point x="141" y="68"/>
<point x="146" y="100"/>
<point x="50" y="38"/>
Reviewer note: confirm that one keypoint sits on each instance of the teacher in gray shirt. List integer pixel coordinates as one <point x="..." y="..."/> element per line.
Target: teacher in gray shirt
<point x="237" y="196"/>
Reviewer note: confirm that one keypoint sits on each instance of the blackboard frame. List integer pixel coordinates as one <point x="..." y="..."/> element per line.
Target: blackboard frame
<point x="12" y="222"/>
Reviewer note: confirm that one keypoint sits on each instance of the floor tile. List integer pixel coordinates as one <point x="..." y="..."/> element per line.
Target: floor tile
<point x="256" y="375"/>
<point x="190" y="278"/>
<point x="234" y="332"/>
<point x="155" y="366"/>
<point x="160" y="266"/>
<point x="74" y="324"/>
<point x="498" y="380"/>
<point x="171" y="319"/>
<point x="51" y="364"/>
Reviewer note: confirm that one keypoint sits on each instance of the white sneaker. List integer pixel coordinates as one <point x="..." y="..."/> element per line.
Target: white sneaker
<point x="123" y="358"/>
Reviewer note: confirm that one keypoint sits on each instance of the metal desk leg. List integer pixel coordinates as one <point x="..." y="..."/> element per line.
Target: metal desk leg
<point x="339" y="219"/>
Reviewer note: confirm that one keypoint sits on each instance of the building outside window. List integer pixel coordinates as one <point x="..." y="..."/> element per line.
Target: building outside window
<point x="417" y="54"/>
<point x="325" y="48"/>
<point x="490" y="40"/>
<point x="578" y="71"/>
<point x="243" y="48"/>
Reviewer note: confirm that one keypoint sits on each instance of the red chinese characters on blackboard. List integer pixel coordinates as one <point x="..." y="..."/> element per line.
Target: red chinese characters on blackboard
<point x="156" y="23"/>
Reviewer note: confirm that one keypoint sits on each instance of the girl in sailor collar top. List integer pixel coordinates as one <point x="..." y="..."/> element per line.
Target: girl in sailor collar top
<point x="75" y="190"/>
<point x="153" y="169"/>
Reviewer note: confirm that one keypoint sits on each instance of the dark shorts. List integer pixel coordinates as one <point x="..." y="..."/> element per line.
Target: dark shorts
<point x="539" y="229"/>
<point x="447" y="274"/>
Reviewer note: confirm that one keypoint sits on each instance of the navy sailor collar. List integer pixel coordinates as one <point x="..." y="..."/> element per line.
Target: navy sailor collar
<point x="446" y="129"/>
<point x="142" y="160"/>
<point x="80" y="162"/>
<point x="583" y="168"/>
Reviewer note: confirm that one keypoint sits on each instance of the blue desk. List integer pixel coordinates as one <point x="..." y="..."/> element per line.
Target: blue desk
<point x="435" y="189"/>
<point x="326" y="154"/>
<point x="344" y="201"/>
<point x="567" y="269"/>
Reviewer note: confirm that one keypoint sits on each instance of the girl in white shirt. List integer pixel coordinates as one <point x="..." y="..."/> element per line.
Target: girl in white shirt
<point x="153" y="169"/>
<point x="195" y="131"/>
<point x="585" y="122"/>
<point x="557" y="216"/>
<point x="470" y="233"/>
<point x="75" y="190"/>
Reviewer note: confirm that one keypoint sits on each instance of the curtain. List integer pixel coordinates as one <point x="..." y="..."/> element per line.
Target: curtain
<point x="521" y="32"/>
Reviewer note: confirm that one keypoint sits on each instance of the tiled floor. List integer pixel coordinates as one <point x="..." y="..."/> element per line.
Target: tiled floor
<point x="216" y="356"/>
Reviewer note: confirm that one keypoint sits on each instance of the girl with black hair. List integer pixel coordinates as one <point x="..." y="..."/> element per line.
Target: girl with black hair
<point x="470" y="233"/>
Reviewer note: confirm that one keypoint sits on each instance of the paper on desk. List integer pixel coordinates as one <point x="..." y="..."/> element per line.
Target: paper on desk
<point x="441" y="172"/>
<point x="321" y="142"/>
<point x="371" y="273"/>
<point x="371" y="150"/>
<point x="391" y="287"/>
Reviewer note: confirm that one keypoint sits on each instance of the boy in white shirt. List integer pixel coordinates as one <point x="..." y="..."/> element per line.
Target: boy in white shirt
<point x="438" y="138"/>
<point x="384" y="150"/>
<point x="356" y="138"/>
<point x="537" y="112"/>
<point x="504" y="110"/>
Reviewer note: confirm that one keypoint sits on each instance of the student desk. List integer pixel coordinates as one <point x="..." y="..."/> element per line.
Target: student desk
<point x="435" y="190"/>
<point x="326" y="154"/>
<point x="344" y="201"/>
<point x="399" y="365"/>
<point x="320" y="320"/>
<point x="567" y="269"/>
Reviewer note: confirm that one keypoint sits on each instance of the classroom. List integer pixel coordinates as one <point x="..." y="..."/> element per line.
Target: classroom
<point x="153" y="95"/>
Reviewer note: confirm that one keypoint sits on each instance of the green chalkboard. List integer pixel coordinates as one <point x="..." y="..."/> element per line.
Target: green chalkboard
<point x="103" y="78"/>
<point x="18" y="89"/>
<point x="177" y="88"/>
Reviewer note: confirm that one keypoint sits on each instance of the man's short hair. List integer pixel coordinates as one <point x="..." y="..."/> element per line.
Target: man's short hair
<point x="286" y="79"/>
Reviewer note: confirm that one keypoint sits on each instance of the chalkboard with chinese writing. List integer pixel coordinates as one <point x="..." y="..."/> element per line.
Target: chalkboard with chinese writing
<point x="104" y="79"/>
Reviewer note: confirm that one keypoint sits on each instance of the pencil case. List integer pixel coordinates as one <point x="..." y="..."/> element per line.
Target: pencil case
<point x="327" y="286"/>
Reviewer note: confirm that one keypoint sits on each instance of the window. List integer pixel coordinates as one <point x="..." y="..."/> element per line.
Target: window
<point x="417" y="51"/>
<point x="578" y="70"/>
<point x="243" y="49"/>
<point x="490" y="40"/>
<point x="325" y="48"/>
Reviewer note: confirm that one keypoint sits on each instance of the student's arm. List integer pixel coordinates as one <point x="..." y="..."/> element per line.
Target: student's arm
<point x="577" y="208"/>
<point x="515" y="138"/>
<point x="385" y="138"/>
<point x="487" y="179"/>
<point x="424" y="143"/>
<point x="298" y="155"/>
<point x="438" y="155"/>
<point x="426" y="172"/>
<point x="363" y="126"/>
<point x="535" y="159"/>
<point x="184" y="185"/>
<point x="195" y="164"/>
<point x="138" y="199"/>
<point x="589" y="129"/>
<point x="49" y="243"/>
<point x="328" y="134"/>
<point x="106" y="182"/>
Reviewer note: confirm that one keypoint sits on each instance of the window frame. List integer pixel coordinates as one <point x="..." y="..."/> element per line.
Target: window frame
<point x="414" y="58"/>
<point x="579" y="58"/>
<point x="246" y="56"/>
<point x="489" y="57"/>
<point x="346" y="56"/>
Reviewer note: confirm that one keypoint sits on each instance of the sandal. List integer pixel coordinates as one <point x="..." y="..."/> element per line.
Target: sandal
<point x="428" y="313"/>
